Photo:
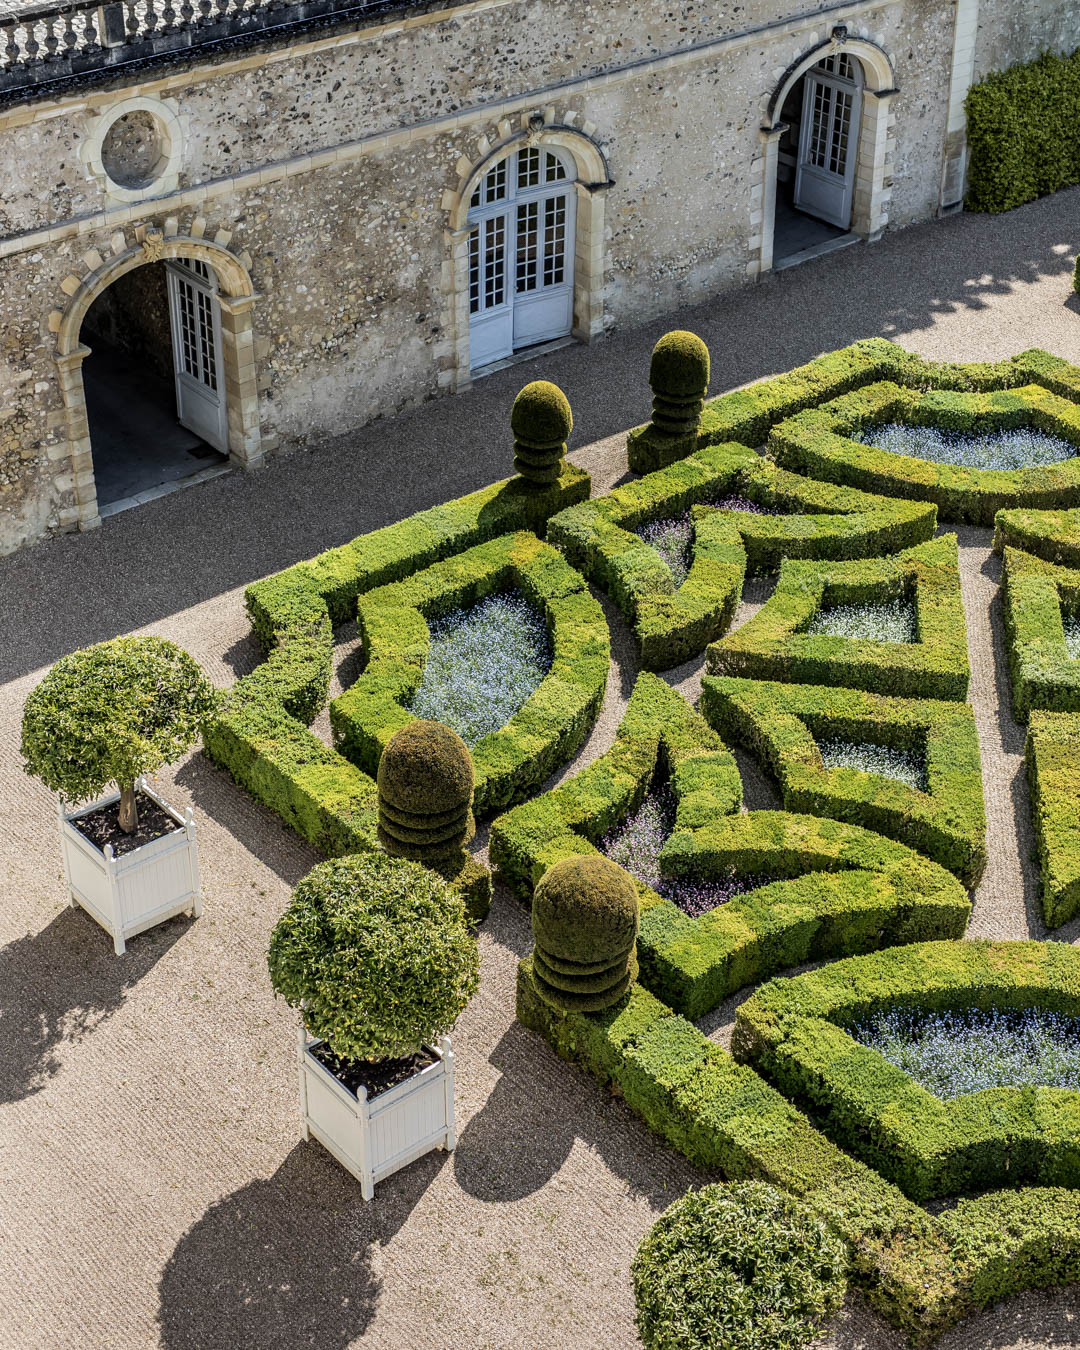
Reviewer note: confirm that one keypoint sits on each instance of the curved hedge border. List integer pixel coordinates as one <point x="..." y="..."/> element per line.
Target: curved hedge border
<point x="792" y="1031"/>
<point x="672" y="623"/>
<point x="1043" y="674"/>
<point x="1053" y="536"/>
<point x="818" y="442"/>
<point x="746" y="415"/>
<point x="261" y="734"/>
<point x="549" y="726"/>
<point x="1053" y="769"/>
<point x="924" y="1273"/>
<point x="781" y="725"/>
<point x="773" y="646"/>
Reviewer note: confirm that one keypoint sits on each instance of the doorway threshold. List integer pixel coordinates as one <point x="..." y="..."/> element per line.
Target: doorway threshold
<point x="526" y="354"/>
<point x="818" y="251"/>
<point x="163" y="489"/>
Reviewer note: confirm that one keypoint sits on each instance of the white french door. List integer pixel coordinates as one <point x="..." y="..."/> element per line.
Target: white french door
<point x="828" y="140"/>
<point x="195" y="317"/>
<point x="521" y="255"/>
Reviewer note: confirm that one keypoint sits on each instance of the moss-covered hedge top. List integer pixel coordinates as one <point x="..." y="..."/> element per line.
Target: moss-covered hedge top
<point x="679" y="368"/>
<point x="585" y="909"/>
<point x="541" y="416"/>
<point x="426" y="770"/>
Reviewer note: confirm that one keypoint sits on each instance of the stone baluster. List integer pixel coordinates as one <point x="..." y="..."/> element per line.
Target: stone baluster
<point x="150" y="20"/>
<point x="168" y="15"/>
<point x="51" y="40"/>
<point x="31" y="46"/>
<point x="89" y="41"/>
<point x="68" y="36"/>
<point x="11" y="46"/>
<point x="187" y="13"/>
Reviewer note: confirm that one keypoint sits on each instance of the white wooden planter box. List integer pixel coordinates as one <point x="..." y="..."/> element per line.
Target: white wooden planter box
<point x="373" y="1138"/>
<point x="135" y="891"/>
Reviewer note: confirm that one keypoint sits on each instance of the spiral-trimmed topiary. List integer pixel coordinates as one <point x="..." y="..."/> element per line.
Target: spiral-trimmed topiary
<point x="585" y="922"/>
<point x="679" y="378"/>
<point x="541" y="421"/>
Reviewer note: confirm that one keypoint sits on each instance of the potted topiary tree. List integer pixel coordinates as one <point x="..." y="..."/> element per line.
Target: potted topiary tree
<point x="110" y="714"/>
<point x="377" y="954"/>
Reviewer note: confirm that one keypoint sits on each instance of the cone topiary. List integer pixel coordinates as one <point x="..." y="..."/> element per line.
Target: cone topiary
<point x="585" y="922"/>
<point x="541" y="421"/>
<point x="679" y="378"/>
<point x="425" y="782"/>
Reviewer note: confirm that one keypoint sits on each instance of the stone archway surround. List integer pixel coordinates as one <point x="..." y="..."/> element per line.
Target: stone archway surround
<point x="590" y="255"/>
<point x="236" y="296"/>
<point x="873" y="188"/>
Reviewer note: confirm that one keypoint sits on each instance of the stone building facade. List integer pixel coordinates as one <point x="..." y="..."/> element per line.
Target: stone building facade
<point x="318" y="192"/>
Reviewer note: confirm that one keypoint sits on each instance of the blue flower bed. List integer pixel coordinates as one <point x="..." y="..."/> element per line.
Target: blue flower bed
<point x="905" y="766"/>
<point x="673" y="537"/>
<point x="636" y="843"/>
<point x="1017" y="449"/>
<point x="893" y="622"/>
<point x="482" y="664"/>
<point x="954" y="1053"/>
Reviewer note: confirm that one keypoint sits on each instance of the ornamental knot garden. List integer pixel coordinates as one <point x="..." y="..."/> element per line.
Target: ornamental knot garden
<point x="849" y="687"/>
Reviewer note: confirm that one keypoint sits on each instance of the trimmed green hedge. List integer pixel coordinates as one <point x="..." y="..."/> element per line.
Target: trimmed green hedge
<point x="1037" y="594"/>
<point x="781" y="725"/>
<point x="1053" y="769"/>
<point x="1021" y="125"/>
<point x="774" y="646"/>
<point x="818" y="442"/>
<point x="747" y="415"/>
<point x="261" y="731"/>
<point x="924" y="1273"/>
<point x="672" y="623"/>
<point x="552" y="723"/>
<point x="793" y="1031"/>
<point x="659" y="731"/>
<point x="1053" y="536"/>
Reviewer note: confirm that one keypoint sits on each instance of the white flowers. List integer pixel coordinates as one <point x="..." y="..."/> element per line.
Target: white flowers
<point x="903" y="765"/>
<point x="892" y="622"/>
<point x="1019" y="449"/>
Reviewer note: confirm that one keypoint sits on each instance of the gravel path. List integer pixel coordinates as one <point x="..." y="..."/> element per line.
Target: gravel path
<point x="153" y="1192"/>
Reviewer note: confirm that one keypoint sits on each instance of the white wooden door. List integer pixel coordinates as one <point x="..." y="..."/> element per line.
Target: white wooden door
<point x="521" y="255"/>
<point x="828" y="141"/>
<point x="196" y="337"/>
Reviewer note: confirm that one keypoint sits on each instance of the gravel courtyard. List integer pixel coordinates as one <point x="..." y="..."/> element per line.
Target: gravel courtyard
<point x="153" y="1188"/>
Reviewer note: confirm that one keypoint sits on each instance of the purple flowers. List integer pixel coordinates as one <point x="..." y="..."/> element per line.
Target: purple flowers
<point x="636" y="843"/>
<point x="952" y="1053"/>
<point x="673" y="537"/>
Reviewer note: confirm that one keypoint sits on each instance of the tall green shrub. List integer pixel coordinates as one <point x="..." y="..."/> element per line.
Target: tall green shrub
<point x="1021" y="131"/>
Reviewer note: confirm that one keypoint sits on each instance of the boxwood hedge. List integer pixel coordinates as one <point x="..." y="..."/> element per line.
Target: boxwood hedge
<point x="1038" y="595"/>
<point x="774" y="646"/>
<point x="793" y="1032"/>
<point x="1053" y="770"/>
<point x="553" y="721"/>
<point x="1053" y="536"/>
<point x="923" y="1272"/>
<point x="781" y="725"/>
<point x="818" y="442"/>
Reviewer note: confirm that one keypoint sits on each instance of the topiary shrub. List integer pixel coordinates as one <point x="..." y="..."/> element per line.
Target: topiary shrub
<point x="377" y="953"/>
<point x="740" y="1267"/>
<point x="585" y="922"/>
<point x="679" y="379"/>
<point x="541" y="421"/>
<point x="110" y="713"/>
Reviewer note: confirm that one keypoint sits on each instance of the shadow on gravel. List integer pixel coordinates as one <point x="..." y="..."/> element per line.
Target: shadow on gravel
<point x="286" y="1261"/>
<point x="57" y="985"/>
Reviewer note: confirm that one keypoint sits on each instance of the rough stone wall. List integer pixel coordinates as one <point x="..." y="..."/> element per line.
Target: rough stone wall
<point x="1011" y="31"/>
<point x="350" y="259"/>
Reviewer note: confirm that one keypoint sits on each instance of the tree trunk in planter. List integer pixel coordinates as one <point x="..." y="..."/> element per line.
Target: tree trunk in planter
<point x="128" y="818"/>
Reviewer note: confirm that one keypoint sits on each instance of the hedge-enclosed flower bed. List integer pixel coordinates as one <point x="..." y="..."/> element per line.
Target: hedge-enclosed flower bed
<point x="547" y="729"/>
<point x="1039" y="598"/>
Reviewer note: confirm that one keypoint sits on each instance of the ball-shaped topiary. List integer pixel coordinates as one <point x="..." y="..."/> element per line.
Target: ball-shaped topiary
<point x="541" y="421"/>
<point x="739" y="1267"/>
<point x="112" y="712"/>
<point x="679" y="378"/>
<point x="585" y="922"/>
<point x="425" y="781"/>
<point x="377" y="952"/>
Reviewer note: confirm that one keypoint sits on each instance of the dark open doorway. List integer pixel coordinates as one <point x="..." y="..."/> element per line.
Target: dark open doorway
<point x="140" y="447"/>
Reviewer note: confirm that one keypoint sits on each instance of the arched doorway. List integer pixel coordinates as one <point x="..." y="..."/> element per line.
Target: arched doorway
<point x="826" y="151"/>
<point x="198" y="341"/>
<point x="155" y="400"/>
<point x="522" y="235"/>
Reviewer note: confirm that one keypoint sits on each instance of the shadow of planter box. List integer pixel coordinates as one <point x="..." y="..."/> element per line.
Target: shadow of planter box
<point x="373" y="1138"/>
<point x="133" y="892"/>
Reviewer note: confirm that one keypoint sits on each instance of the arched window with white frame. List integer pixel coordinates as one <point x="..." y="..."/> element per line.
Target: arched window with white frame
<point x="522" y="218"/>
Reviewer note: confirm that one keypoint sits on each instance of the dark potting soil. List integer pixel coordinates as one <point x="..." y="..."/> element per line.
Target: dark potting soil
<point x="377" y="1075"/>
<point x="102" y="827"/>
